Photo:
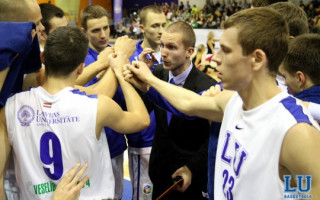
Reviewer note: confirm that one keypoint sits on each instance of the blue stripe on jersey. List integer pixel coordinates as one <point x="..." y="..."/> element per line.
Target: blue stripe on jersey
<point x="296" y="110"/>
<point x="76" y="91"/>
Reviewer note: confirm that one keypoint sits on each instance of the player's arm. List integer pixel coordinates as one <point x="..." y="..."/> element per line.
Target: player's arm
<point x="3" y="75"/>
<point x="108" y="84"/>
<point x="5" y="150"/>
<point x="95" y="68"/>
<point x="300" y="154"/>
<point x="184" y="100"/>
<point x="111" y="115"/>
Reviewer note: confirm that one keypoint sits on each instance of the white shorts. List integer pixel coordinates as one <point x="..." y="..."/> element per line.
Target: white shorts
<point x="138" y="169"/>
<point x="117" y="167"/>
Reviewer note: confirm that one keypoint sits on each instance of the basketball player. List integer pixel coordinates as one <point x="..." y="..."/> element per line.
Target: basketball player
<point x="152" y="22"/>
<point x="300" y="68"/>
<point x="95" y="25"/>
<point x="265" y="133"/>
<point x="62" y="126"/>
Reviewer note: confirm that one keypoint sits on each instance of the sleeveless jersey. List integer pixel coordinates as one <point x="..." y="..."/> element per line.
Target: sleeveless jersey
<point x="49" y="135"/>
<point x="247" y="162"/>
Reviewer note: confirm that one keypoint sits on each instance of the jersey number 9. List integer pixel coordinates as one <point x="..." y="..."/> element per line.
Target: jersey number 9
<point x="51" y="156"/>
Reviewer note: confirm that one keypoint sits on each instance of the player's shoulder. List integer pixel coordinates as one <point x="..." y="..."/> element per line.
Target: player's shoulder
<point x="200" y="80"/>
<point x="22" y="94"/>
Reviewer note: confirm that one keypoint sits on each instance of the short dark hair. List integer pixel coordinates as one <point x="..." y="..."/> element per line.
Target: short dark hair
<point x="261" y="28"/>
<point x="295" y="17"/>
<point x="65" y="49"/>
<point x="91" y="12"/>
<point x="304" y="55"/>
<point x="189" y="37"/>
<point x="49" y="11"/>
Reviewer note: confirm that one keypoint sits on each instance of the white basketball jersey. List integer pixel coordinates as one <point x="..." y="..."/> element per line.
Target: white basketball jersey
<point x="49" y="135"/>
<point x="247" y="162"/>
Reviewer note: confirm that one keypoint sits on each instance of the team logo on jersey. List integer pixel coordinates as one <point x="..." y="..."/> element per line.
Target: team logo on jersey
<point x="25" y="115"/>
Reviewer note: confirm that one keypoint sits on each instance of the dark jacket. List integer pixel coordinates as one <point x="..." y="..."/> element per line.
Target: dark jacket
<point x="183" y="142"/>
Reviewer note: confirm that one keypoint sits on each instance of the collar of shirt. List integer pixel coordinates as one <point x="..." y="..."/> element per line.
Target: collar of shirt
<point x="181" y="78"/>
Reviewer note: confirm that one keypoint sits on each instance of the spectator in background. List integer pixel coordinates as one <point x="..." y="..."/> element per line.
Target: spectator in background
<point x="120" y="30"/>
<point x="181" y="6"/>
<point x="187" y="6"/>
<point x="211" y="43"/>
<point x="195" y="12"/>
<point x="311" y="11"/>
<point x="198" y="56"/>
<point x="165" y="9"/>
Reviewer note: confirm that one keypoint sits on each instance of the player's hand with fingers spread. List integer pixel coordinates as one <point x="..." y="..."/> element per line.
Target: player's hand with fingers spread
<point x="125" y="45"/>
<point x="131" y="78"/>
<point x="70" y="185"/>
<point x="186" y="175"/>
<point x="212" y="91"/>
<point x="144" y="57"/>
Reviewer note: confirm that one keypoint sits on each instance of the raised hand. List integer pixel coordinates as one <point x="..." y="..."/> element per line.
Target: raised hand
<point x="131" y="78"/>
<point x="117" y="60"/>
<point x="125" y="45"/>
<point x="141" y="71"/>
<point x="103" y="57"/>
<point x="144" y="57"/>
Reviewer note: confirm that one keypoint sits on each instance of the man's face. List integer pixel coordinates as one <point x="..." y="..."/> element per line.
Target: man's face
<point x="291" y="81"/>
<point x="174" y="54"/>
<point x="235" y="71"/>
<point x="35" y="16"/>
<point x="57" y="22"/>
<point x="153" y="28"/>
<point x="98" y="33"/>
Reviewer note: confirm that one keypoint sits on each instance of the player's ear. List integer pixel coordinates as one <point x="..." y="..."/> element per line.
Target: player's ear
<point x="258" y="60"/>
<point x="141" y="28"/>
<point x="301" y="78"/>
<point x="84" y="30"/>
<point x="80" y="69"/>
<point x="189" y="52"/>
